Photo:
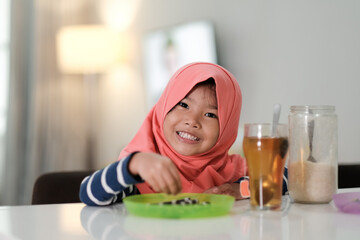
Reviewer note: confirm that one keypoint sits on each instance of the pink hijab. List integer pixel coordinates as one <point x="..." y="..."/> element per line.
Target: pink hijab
<point x="214" y="167"/>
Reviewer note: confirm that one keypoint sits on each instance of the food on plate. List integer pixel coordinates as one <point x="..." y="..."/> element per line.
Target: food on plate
<point x="183" y="201"/>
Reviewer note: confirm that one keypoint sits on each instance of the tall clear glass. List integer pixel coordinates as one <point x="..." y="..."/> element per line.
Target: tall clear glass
<point x="265" y="147"/>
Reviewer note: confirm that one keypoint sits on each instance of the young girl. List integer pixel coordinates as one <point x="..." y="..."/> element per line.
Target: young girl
<point x="183" y="144"/>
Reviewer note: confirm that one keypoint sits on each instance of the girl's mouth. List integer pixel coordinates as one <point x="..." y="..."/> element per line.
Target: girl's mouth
<point x="187" y="136"/>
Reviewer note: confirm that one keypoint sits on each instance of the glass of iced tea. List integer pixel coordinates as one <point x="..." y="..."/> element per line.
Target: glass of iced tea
<point x="265" y="147"/>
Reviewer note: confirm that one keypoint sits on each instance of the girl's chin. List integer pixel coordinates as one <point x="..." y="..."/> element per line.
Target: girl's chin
<point x="186" y="152"/>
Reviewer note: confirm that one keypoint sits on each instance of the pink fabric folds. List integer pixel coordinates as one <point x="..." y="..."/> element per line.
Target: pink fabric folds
<point x="214" y="167"/>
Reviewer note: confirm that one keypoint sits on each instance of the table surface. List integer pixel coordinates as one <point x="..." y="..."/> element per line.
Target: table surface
<point x="77" y="221"/>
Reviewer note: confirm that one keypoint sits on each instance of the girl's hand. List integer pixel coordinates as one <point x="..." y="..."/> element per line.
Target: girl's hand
<point x="232" y="189"/>
<point x="158" y="171"/>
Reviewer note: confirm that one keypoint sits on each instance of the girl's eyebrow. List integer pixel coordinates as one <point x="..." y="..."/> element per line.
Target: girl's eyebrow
<point x="213" y="106"/>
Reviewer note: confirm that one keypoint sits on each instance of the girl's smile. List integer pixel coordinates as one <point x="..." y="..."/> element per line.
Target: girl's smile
<point x="192" y="126"/>
<point x="187" y="137"/>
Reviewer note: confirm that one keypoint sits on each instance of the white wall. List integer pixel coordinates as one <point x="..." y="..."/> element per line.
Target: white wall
<point x="289" y="52"/>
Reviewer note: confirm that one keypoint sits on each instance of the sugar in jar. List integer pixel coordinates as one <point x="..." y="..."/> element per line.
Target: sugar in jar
<point x="312" y="153"/>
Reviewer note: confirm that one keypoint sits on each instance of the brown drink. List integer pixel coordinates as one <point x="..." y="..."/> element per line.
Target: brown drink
<point x="265" y="156"/>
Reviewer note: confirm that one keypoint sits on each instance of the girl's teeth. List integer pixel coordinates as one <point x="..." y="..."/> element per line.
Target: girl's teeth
<point x="188" y="136"/>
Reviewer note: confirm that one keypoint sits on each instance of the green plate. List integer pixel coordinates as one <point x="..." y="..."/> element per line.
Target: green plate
<point x="146" y="205"/>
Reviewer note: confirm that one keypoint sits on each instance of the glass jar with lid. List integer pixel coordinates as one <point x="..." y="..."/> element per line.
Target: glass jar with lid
<point x="312" y="153"/>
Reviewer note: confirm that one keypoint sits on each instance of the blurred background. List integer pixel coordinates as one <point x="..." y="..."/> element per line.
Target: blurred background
<point x="78" y="77"/>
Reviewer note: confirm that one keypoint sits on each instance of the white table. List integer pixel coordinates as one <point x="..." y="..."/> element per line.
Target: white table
<point x="77" y="221"/>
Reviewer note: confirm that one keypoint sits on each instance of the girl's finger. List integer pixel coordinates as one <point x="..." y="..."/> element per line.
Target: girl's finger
<point x="162" y="182"/>
<point x="154" y="183"/>
<point x="175" y="184"/>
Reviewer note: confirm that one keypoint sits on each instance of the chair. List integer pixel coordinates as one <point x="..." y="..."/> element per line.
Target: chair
<point x="349" y="176"/>
<point x="58" y="187"/>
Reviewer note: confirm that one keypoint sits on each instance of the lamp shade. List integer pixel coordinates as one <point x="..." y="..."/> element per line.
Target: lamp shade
<point x="86" y="49"/>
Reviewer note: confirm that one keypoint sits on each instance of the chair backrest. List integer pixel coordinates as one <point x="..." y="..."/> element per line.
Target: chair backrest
<point x="349" y="176"/>
<point x="58" y="187"/>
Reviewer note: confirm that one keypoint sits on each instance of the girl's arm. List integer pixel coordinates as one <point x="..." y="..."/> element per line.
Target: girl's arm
<point x="237" y="190"/>
<point x="232" y="189"/>
<point x="110" y="184"/>
<point x="158" y="171"/>
<point x="116" y="181"/>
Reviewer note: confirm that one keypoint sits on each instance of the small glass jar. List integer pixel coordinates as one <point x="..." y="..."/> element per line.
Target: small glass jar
<point x="312" y="153"/>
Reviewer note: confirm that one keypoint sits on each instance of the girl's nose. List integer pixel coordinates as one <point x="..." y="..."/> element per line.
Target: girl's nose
<point x="192" y="121"/>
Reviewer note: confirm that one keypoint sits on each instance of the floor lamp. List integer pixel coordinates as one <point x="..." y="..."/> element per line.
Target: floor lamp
<point x="88" y="50"/>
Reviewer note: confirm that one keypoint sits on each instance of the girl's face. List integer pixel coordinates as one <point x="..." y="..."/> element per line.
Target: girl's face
<point x="192" y="126"/>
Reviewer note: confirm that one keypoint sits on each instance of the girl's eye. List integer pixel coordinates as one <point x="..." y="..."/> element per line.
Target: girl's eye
<point x="211" y="115"/>
<point x="184" y="105"/>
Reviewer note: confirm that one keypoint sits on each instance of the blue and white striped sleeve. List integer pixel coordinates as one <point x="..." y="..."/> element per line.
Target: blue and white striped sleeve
<point x="285" y="182"/>
<point x="109" y="185"/>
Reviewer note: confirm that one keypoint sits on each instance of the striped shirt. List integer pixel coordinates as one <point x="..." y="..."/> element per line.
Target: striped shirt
<point x="114" y="182"/>
<point x="109" y="185"/>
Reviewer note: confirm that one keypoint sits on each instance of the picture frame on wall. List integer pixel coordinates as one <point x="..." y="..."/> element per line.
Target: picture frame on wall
<point x="166" y="50"/>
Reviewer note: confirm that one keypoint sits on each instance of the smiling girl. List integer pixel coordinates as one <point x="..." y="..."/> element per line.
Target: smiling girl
<point x="183" y="143"/>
